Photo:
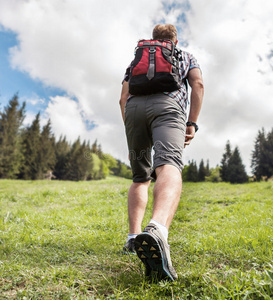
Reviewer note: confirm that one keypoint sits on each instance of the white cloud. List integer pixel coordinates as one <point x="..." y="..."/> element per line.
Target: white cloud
<point x="233" y="47"/>
<point x="35" y="100"/>
<point x="66" y="118"/>
<point x="83" y="47"/>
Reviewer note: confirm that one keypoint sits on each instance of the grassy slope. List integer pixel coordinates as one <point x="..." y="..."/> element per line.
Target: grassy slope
<point x="63" y="240"/>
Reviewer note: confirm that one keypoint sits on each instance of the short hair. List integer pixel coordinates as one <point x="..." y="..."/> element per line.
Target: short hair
<point x="165" y="31"/>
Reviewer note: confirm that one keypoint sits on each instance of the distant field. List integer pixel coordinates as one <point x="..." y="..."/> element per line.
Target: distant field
<point x="63" y="240"/>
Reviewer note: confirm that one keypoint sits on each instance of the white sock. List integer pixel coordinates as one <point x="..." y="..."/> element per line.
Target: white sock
<point x="162" y="228"/>
<point x="131" y="236"/>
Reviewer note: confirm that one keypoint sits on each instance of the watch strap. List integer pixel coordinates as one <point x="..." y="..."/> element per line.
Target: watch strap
<point x="190" y="123"/>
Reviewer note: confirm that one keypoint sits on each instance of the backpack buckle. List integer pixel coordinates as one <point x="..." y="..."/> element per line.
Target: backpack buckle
<point x="152" y="50"/>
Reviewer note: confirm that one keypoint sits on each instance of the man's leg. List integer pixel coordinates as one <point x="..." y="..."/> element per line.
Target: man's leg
<point x="139" y="144"/>
<point x="151" y="245"/>
<point x="167" y="192"/>
<point x="168" y="132"/>
<point x="137" y="202"/>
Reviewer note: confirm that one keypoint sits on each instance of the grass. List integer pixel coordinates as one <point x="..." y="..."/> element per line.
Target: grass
<point x="63" y="240"/>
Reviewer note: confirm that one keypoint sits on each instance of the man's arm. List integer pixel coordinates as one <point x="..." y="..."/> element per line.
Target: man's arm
<point x="196" y="82"/>
<point x="123" y="98"/>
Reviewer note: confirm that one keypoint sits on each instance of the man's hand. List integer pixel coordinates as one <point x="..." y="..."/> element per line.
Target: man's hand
<point x="190" y="133"/>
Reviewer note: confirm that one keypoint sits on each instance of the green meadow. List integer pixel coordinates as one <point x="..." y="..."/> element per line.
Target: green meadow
<point x="63" y="240"/>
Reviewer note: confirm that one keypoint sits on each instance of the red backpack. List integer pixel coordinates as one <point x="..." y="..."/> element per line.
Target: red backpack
<point x="154" y="68"/>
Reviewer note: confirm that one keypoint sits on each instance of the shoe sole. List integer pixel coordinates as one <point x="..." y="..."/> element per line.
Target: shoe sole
<point x="150" y="253"/>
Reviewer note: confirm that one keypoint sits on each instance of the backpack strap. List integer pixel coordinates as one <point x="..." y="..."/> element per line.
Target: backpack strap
<point x="151" y="70"/>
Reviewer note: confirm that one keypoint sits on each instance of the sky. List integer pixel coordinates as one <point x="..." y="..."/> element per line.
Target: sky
<point x="66" y="59"/>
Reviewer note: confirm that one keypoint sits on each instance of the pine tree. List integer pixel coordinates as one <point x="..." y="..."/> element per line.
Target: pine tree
<point x="267" y="155"/>
<point x="237" y="173"/>
<point x="62" y="149"/>
<point x="30" y="169"/>
<point x="84" y="165"/>
<point x="262" y="155"/>
<point x="72" y="171"/>
<point x="224" y="171"/>
<point x="202" y="173"/>
<point x="94" y="147"/>
<point x="11" y="120"/>
<point x="47" y="156"/>
<point x="80" y="163"/>
<point x="192" y="173"/>
<point x="207" y="169"/>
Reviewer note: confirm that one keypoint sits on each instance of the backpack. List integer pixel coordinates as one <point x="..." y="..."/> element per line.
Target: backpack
<point x="154" y="68"/>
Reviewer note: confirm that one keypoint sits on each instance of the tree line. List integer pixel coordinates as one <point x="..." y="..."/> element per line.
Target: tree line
<point x="33" y="152"/>
<point x="231" y="168"/>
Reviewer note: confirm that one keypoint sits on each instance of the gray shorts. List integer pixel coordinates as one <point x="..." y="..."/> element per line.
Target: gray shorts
<point x="154" y="121"/>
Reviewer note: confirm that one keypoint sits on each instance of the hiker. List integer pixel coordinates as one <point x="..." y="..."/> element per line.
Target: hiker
<point x="157" y="118"/>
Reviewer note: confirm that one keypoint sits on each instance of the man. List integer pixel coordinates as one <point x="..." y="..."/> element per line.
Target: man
<point x="159" y="121"/>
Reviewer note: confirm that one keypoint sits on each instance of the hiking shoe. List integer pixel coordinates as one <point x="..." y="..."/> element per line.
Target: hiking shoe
<point x="129" y="247"/>
<point x="154" y="252"/>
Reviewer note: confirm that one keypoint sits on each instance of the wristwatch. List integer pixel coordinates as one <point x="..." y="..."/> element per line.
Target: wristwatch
<point x="190" y="123"/>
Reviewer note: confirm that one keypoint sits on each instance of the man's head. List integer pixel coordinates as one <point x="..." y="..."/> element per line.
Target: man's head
<point x="165" y="31"/>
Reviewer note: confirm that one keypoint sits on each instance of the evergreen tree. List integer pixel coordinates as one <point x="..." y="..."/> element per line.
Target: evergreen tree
<point x="99" y="152"/>
<point x="237" y="173"/>
<point x="62" y="149"/>
<point x="46" y="154"/>
<point x="11" y="120"/>
<point x="202" y="173"/>
<point x="207" y="169"/>
<point x="269" y="154"/>
<point x="73" y="170"/>
<point x="116" y="169"/>
<point x="256" y="161"/>
<point x="30" y="169"/>
<point x="82" y="164"/>
<point x="192" y="172"/>
<point x="262" y="155"/>
<point x="224" y="171"/>
<point x="94" y="148"/>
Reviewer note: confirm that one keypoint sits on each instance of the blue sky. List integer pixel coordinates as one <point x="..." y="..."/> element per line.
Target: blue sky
<point x="14" y="81"/>
<point x="67" y="62"/>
